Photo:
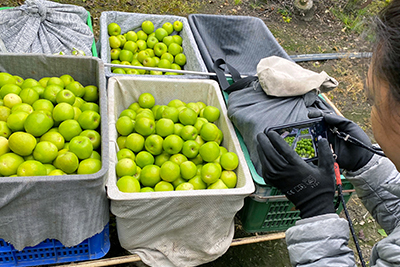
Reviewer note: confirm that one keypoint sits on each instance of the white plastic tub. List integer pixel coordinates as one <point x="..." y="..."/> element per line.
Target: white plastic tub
<point x="183" y="228"/>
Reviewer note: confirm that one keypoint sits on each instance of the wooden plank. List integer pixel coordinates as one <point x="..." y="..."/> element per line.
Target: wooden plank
<point x="332" y="105"/>
<point x="136" y="258"/>
<point x="257" y="239"/>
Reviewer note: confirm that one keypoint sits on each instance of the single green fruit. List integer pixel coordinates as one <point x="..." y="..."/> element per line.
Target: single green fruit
<point x="89" y="166"/>
<point x="9" y="163"/>
<point x="38" y="123"/>
<point x="45" y="152"/>
<point x="81" y="146"/>
<point x="68" y="162"/>
<point x="31" y="168"/>
<point x="16" y="120"/>
<point x="69" y="129"/>
<point x="22" y="143"/>
<point x="128" y="184"/>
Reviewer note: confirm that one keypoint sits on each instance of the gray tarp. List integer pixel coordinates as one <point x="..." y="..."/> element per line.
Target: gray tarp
<point x="46" y="27"/>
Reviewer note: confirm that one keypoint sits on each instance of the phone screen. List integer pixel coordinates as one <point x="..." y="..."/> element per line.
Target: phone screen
<point x="303" y="136"/>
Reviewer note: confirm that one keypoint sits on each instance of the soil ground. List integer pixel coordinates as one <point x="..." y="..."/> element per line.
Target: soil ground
<point x="325" y="33"/>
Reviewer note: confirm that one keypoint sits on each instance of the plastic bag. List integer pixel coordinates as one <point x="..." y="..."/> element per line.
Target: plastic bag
<point x="46" y="27"/>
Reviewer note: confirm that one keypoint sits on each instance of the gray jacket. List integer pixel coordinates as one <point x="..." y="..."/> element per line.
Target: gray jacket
<point x="322" y="240"/>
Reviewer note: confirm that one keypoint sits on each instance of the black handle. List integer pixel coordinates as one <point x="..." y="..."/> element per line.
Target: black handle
<point x="239" y="82"/>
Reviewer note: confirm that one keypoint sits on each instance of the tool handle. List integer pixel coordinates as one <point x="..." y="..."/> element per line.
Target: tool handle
<point x="337" y="173"/>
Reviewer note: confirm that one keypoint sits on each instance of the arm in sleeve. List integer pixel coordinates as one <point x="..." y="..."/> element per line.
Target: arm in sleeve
<point x="386" y="253"/>
<point x="371" y="183"/>
<point x="320" y="241"/>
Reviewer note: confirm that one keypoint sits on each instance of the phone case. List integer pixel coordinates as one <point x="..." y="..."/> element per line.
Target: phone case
<point x="302" y="136"/>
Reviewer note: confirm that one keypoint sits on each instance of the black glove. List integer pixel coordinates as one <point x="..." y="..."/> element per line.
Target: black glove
<point x="349" y="156"/>
<point x="310" y="188"/>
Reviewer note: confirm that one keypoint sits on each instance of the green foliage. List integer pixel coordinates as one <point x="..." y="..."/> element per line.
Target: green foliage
<point x="238" y="2"/>
<point x="176" y="7"/>
<point x="286" y="15"/>
<point x="355" y="18"/>
<point x="255" y="5"/>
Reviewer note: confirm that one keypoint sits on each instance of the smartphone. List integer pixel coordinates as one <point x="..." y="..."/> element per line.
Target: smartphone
<point x="303" y="136"/>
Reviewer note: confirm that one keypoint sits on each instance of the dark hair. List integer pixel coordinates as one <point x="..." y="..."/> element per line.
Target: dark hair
<point x="386" y="58"/>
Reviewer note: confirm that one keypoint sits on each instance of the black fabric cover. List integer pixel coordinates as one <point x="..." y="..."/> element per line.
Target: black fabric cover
<point x="242" y="41"/>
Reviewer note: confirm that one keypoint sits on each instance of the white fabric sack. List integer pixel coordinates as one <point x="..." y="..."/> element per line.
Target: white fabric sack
<point x="283" y="78"/>
<point x="41" y="26"/>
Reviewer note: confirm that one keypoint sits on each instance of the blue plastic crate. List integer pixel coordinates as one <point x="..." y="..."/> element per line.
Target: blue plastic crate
<point x="51" y="251"/>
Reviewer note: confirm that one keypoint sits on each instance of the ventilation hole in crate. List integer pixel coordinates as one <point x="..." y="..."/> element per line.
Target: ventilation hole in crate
<point x="274" y="208"/>
<point x="269" y="217"/>
<point x="6" y="257"/>
<point x="266" y="224"/>
<point x="276" y="223"/>
<point x="291" y="215"/>
<point x="47" y="255"/>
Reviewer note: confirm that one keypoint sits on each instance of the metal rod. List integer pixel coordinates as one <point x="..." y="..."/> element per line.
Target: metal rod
<point x="164" y="70"/>
<point x="327" y="56"/>
<point x="279" y="197"/>
<point x="296" y="58"/>
<point x="136" y="258"/>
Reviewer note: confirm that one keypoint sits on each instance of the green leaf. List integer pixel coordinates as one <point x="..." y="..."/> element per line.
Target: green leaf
<point x="382" y="232"/>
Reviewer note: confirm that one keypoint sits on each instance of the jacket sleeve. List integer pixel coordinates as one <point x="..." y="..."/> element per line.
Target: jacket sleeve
<point x="323" y="240"/>
<point x="371" y="183"/>
<point x="386" y="253"/>
<point x="320" y="241"/>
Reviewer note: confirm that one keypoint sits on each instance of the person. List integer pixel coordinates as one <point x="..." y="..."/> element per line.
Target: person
<point x="320" y="237"/>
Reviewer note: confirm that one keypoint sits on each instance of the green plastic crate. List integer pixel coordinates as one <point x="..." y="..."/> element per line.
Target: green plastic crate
<point x="267" y="209"/>
<point x="266" y="215"/>
<point x="88" y="22"/>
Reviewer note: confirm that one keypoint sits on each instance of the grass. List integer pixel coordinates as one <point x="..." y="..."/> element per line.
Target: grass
<point x="176" y="7"/>
<point x="358" y="20"/>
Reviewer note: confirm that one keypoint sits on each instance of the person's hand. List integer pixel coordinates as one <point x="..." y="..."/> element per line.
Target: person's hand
<point x="349" y="156"/>
<point x="310" y="188"/>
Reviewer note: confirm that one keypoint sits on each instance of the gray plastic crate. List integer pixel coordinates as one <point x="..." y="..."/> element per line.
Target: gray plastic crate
<point x="133" y="21"/>
<point x="69" y="208"/>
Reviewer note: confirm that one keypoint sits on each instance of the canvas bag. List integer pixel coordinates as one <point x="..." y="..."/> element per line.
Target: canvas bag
<point x="281" y="77"/>
<point x="41" y="26"/>
<point x="251" y="110"/>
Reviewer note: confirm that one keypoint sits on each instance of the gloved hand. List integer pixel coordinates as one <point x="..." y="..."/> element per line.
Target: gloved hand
<point x="349" y="156"/>
<point x="310" y="188"/>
